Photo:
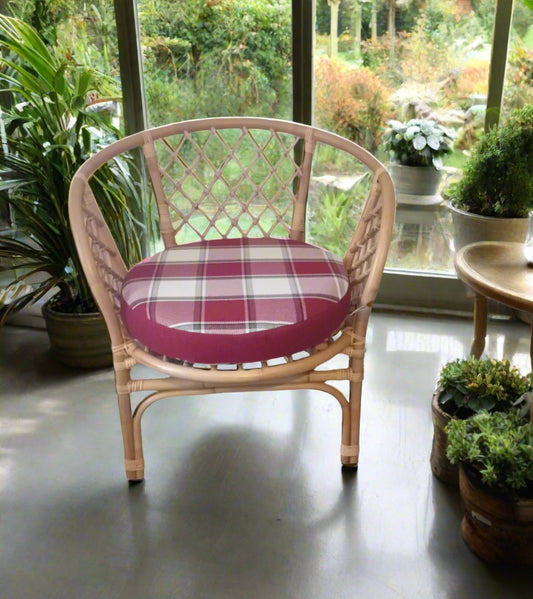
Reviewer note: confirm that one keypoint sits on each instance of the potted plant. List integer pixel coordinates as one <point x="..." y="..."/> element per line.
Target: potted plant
<point x="466" y="387"/>
<point x="51" y="128"/>
<point x="416" y="148"/>
<point x="494" y="196"/>
<point x="495" y="454"/>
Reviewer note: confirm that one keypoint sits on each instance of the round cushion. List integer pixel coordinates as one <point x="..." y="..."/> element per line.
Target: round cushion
<point x="229" y="301"/>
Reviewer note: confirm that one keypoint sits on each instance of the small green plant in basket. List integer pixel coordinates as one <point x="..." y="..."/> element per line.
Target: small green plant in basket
<point x="498" y="446"/>
<point x="494" y="453"/>
<point x="466" y="387"/>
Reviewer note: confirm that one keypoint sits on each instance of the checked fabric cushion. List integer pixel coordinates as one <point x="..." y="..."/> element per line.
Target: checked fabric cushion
<point x="231" y="301"/>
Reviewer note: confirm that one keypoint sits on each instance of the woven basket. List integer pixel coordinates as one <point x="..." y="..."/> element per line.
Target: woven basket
<point x="441" y="466"/>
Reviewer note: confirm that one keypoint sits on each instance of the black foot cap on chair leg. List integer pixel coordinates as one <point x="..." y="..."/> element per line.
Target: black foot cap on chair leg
<point x="134" y="483"/>
<point x="350" y="467"/>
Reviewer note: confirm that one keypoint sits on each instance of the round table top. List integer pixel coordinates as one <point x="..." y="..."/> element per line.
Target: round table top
<point x="497" y="270"/>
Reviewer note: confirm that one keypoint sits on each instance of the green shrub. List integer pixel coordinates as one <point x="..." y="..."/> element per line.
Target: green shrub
<point x="217" y="58"/>
<point x="519" y="80"/>
<point x="332" y="221"/>
<point x="334" y="214"/>
<point x="497" y="178"/>
<point x="50" y="130"/>
<point x="351" y="102"/>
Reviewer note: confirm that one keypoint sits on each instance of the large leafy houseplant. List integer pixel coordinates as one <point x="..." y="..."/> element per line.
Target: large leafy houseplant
<point x="52" y="126"/>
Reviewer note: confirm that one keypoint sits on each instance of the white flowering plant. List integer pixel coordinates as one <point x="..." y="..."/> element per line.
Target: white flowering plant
<point x="418" y="142"/>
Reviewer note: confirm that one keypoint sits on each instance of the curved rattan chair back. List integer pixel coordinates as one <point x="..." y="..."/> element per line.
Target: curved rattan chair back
<point x="229" y="177"/>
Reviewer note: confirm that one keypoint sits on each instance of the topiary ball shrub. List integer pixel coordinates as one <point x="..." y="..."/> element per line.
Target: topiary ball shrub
<point x="497" y="180"/>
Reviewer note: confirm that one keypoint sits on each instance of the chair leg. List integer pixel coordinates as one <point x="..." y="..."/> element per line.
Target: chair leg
<point x="133" y="454"/>
<point x="351" y="417"/>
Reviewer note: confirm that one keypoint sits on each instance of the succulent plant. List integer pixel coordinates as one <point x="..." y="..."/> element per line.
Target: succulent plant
<point x="471" y="385"/>
<point x="499" y="447"/>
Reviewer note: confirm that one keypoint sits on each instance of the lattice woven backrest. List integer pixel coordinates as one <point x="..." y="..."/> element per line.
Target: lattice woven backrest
<point x="107" y="259"/>
<point x="224" y="182"/>
<point x="361" y="254"/>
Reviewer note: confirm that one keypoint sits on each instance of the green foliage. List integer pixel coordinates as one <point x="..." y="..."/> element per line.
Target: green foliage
<point x="469" y="386"/>
<point x="484" y="12"/>
<point x="418" y="142"/>
<point x="331" y="225"/>
<point x="88" y="34"/>
<point x="497" y="178"/>
<point x="49" y="132"/>
<point x="519" y="78"/>
<point x="83" y="30"/>
<point x="499" y="446"/>
<point x="215" y="58"/>
<point x="522" y="16"/>
<point x="351" y="102"/>
<point x="334" y="214"/>
<point x="43" y="15"/>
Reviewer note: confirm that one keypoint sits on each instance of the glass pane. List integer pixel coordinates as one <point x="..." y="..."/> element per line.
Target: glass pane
<point x="205" y="59"/>
<point x="376" y="61"/>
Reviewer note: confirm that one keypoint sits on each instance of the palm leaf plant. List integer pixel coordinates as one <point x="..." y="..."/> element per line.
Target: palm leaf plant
<point x="51" y="127"/>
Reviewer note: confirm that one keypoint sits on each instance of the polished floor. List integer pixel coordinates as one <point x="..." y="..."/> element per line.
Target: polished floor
<point x="244" y="496"/>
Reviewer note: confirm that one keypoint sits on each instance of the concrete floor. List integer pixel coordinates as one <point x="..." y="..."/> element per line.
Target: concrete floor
<point x="244" y="495"/>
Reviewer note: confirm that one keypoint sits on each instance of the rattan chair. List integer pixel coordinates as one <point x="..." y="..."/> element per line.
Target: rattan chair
<point x="236" y="299"/>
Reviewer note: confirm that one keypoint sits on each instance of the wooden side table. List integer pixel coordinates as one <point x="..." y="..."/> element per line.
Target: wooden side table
<point x="499" y="271"/>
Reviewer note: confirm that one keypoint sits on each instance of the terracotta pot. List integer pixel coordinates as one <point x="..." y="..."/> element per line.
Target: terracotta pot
<point x="497" y="529"/>
<point x="470" y="228"/>
<point x="441" y="466"/>
<point x="79" y="340"/>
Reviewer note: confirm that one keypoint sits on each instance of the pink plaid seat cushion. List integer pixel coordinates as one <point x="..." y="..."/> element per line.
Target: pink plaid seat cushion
<point x="235" y="300"/>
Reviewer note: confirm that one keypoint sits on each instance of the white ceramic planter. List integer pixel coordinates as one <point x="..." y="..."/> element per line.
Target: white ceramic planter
<point x="470" y="228"/>
<point x="416" y="184"/>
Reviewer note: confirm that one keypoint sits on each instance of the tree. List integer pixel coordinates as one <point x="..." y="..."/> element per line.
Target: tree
<point x="374" y="21"/>
<point x="333" y="35"/>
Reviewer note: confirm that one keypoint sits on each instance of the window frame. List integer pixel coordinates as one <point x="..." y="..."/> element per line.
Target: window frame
<point x="401" y="289"/>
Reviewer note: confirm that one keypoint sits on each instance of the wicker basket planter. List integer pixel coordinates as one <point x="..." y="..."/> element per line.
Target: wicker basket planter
<point x="441" y="466"/>
<point x="495" y="528"/>
<point x="78" y="340"/>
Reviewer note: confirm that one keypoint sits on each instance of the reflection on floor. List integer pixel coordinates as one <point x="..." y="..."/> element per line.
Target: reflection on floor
<point x="244" y="495"/>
